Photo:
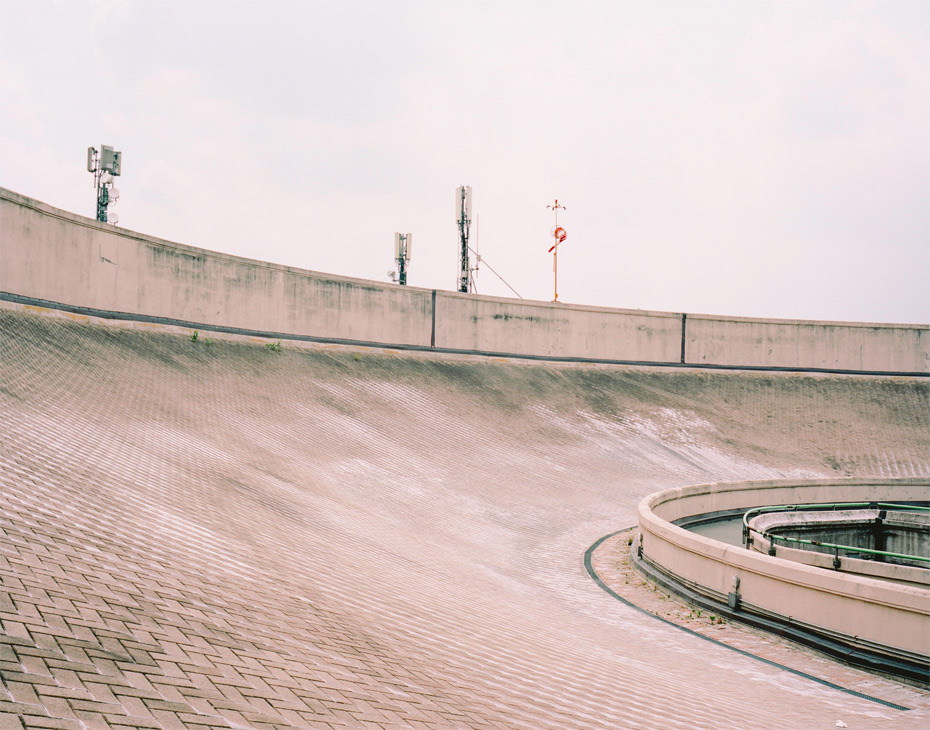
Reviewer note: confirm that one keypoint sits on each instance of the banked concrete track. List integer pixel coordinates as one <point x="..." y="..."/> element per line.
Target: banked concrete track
<point x="223" y="535"/>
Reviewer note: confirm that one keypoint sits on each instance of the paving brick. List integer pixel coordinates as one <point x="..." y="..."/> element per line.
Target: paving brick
<point x="20" y="709"/>
<point x="128" y="721"/>
<point x="35" y="680"/>
<point x="92" y="720"/>
<point x="22" y="692"/>
<point x="9" y="721"/>
<point x="52" y="723"/>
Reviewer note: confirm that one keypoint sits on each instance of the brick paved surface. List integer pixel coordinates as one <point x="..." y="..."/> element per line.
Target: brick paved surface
<point x="220" y="535"/>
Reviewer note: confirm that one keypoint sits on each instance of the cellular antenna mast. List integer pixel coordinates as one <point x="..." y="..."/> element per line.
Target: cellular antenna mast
<point x="463" y="218"/>
<point x="559" y="234"/>
<point x="105" y="165"/>
<point x="403" y="242"/>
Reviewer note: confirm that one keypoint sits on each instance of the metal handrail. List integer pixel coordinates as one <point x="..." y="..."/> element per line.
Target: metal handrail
<point x="849" y="548"/>
<point x="828" y="506"/>
<point x="824" y="507"/>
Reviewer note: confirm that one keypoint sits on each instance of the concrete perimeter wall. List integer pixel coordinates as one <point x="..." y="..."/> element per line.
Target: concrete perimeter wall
<point x="46" y="253"/>
<point x="55" y="256"/>
<point x="855" y="609"/>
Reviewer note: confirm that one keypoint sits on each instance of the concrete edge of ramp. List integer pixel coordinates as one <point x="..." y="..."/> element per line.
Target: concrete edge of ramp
<point x="865" y="621"/>
<point x="601" y="580"/>
<point x="48" y="305"/>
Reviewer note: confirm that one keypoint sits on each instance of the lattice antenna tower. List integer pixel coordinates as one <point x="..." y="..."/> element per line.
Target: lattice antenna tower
<point x="463" y="219"/>
<point x="105" y="165"/>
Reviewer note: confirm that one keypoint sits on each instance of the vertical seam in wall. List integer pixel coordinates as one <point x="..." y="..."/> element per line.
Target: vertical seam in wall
<point x="684" y="320"/>
<point x="432" y="336"/>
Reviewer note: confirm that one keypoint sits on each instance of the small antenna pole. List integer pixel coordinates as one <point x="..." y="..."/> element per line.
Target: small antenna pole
<point x="559" y="235"/>
<point x="477" y="252"/>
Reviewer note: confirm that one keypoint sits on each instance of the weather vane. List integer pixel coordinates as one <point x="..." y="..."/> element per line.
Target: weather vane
<point x="559" y="234"/>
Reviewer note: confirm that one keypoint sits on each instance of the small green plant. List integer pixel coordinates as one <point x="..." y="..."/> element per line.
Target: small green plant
<point x="194" y="336"/>
<point x="208" y="341"/>
<point x="356" y="357"/>
<point x="274" y="346"/>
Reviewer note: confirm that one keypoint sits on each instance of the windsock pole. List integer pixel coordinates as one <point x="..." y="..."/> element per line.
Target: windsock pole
<point x="559" y="235"/>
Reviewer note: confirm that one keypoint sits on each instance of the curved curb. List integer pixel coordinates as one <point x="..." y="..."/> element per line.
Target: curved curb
<point x="876" y="624"/>
<point x="589" y="567"/>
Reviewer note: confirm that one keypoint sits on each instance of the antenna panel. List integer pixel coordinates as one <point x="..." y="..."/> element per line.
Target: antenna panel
<point x="459" y="194"/>
<point x="106" y="157"/>
<point x="91" y="162"/>
<point x="468" y="202"/>
<point x="110" y="160"/>
<point x="397" y="248"/>
<point x="408" y="242"/>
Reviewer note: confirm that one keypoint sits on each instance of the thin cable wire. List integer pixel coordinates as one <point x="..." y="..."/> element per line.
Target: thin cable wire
<point x="495" y="273"/>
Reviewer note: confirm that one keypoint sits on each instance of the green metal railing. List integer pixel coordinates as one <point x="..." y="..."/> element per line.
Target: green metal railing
<point x="829" y="507"/>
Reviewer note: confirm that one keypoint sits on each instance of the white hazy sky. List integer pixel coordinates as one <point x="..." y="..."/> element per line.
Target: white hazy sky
<point x="748" y="158"/>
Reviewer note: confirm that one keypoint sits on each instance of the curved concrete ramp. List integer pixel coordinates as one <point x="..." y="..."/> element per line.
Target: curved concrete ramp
<point x="221" y="534"/>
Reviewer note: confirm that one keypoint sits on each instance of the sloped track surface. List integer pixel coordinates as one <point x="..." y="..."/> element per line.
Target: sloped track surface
<point x="221" y="534"/>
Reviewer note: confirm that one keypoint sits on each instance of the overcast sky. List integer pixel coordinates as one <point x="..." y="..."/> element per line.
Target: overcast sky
<point x="763" y="159"/>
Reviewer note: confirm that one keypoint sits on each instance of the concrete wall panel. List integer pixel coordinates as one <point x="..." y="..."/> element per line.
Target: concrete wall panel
<point x="556" y="330"/>
<point x="804" y="344"/>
